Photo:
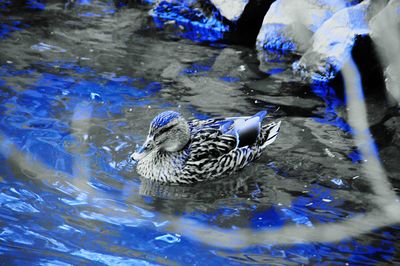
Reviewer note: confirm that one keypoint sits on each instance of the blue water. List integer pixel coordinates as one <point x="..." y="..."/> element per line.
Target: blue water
<point x="79" y="85"/>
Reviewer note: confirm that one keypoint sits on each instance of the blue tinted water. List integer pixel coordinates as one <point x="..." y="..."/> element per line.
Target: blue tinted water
<point x="79" y="85"/>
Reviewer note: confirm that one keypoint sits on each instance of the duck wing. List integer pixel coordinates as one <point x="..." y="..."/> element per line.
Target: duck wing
<point x="210" y="143"/>
<point x="247" y="130"/>
<point x="221" y="146"/>
<point x="218" y="137"/>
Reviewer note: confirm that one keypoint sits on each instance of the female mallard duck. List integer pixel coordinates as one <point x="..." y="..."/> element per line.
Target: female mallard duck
<point x="180" y="151"/>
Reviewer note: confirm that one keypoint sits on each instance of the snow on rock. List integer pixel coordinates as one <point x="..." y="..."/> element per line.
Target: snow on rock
<point x="324" y="33"/>
<point x="230" y="9"/>
<point x="289" y="24"/>
<point x="384" y="31"/>
<point x="332" y="43"/>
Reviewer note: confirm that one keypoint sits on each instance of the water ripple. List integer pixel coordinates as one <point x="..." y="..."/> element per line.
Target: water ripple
<point x="169" y="238"/>
<point x="109" y="259"/>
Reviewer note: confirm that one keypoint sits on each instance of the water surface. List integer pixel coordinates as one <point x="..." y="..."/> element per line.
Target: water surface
<point x="79" y="85"/>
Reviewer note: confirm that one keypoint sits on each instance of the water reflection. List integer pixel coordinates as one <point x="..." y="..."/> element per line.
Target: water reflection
<point x="218" y="189"/>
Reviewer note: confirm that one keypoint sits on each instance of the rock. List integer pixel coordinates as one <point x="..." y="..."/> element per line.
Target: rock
<point x="393" y="126"/>
<point x="268" y="87"/>
<point x="227" y="60"/>
<point x="326" y="33"/>
<point x="384" y="31"/>
<point x="389" y="148"/>
<point x="357" y="31"/>
<point x="289" y="24"/>
<point x="248" y="25"/>
<point x="291" y="101"/>
<point x="393" y="82"/>
<point x="213" y="95"/>
<point x="237" y="21"/>
<point x="172" y="70"/>
<point x="332" y="43"/>
<point x="370" y="67"/>
<point x="230" y="65"/>
<point x="230" y="9"/>
<point x="390" y="157"/>
<point x="198" y="20"/>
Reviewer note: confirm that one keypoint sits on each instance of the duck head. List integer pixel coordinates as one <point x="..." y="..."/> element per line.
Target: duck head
<point x="168" y="132"/>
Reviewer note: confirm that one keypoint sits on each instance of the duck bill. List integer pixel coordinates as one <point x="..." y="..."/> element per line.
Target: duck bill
<point x="143" y="150"/>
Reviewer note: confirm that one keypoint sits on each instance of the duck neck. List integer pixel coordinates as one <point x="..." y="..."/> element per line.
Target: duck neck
<point x="161" y="165"/>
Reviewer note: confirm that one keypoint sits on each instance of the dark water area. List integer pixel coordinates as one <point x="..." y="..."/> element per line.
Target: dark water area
<point x="79" y="85"/>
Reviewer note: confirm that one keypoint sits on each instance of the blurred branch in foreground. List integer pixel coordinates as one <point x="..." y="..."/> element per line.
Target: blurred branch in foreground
<point x="387" y="211"/>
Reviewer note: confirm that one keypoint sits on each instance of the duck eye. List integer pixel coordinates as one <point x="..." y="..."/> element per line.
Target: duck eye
<point x="163" y="130"/>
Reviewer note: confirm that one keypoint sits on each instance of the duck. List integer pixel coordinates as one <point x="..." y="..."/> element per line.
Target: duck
<point x="179" y="151"/>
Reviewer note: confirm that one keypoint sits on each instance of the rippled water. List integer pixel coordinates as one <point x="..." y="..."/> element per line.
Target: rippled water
<point x="79" y="84"/>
